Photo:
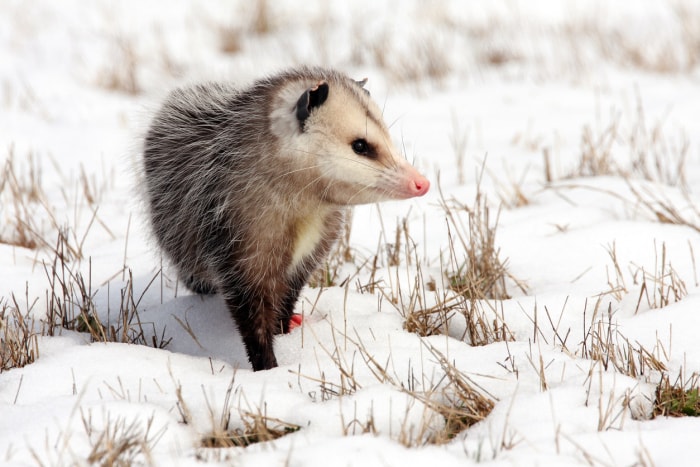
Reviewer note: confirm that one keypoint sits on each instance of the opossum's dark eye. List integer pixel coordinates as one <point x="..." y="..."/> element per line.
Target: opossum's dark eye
<point x="361" y="147"/>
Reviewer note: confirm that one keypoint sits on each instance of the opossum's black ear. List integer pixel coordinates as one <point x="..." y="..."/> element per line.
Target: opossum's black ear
<point x="312" y="97"/>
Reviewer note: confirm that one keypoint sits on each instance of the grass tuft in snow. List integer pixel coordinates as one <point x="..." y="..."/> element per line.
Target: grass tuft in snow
<point x="477" y="278"/>
<point x="452" y="396"/>
<point x="461" y="401"/>
<point x="120" y="443"/>
<point x="603" y="342"/>
<point x="631" y="148"/>
<point x="70" y="298"/>
<point x="70" y="294"/>
<point x="455" y="398"/>
<point x="107" y="441"/>
<point x="256" y="20"/>
<point x="678" y="399"/>
<point x="664" y="210"/>
<point x="71" y="305"/>
<point x="480" y="273"/>
<point x="477" y="272"/>
<point x="18" y="341"/>
<point x="32" y="222"/>
<point x="121" y="73"/>
<point x="658" y="287"/>
<point x="257" y="428"/>
<point x="22" y="195"/>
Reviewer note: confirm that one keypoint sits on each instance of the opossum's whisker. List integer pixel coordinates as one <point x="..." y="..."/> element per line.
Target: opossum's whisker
<point x="359" y="192"/>
<point x="290" y="172"/>
<point x="360" y="160"/>
<point x="403" y="147"/>
<point x="388" y="145"/>
<point x="357" y="160"/>
<point x="366" y="125"/>
<point x="364" y="164"/>
<point x="312" y="182"/>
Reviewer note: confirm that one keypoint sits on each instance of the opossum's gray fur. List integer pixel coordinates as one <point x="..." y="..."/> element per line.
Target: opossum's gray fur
<point x="227" y="199"/>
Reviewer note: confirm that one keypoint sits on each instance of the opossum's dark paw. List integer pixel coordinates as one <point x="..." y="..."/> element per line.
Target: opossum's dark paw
<point x="294" y="322"/>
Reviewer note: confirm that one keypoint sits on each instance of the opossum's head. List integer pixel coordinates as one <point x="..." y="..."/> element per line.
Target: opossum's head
<point x="331" y="126"/>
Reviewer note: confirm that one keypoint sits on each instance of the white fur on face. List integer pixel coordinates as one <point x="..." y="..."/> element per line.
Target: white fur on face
<point x="342" y="120"/>
<point x="325" y="145"/>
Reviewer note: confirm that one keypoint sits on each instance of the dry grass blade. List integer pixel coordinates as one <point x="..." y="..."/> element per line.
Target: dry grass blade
<point x="459" y="139"/>
<point x="618" y="288"/>
<point x="664" y="211"/>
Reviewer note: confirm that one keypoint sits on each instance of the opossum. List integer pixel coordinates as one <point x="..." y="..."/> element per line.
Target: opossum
<point x="246" y="189"/>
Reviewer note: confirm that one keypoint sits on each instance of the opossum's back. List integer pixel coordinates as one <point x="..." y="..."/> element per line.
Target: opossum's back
<point x="185" y="160"/>
<point x="187" y="125"/>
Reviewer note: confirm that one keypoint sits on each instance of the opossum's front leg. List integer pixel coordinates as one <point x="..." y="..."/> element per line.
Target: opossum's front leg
<point x="257" y="324"/>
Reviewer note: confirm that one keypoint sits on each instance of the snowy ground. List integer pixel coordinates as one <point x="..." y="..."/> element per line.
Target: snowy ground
<point x="609" y="91"/>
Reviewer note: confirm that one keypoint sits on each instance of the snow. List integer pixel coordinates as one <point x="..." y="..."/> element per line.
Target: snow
<point x="348" y="377"/>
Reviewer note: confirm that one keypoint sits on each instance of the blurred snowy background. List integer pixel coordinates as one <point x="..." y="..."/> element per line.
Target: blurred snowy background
<point x="561" y="138"/>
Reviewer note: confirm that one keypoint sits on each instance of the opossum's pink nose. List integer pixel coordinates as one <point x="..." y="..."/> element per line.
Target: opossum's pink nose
<point x="410" y="183"/>
<point x="419" y="185"/>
